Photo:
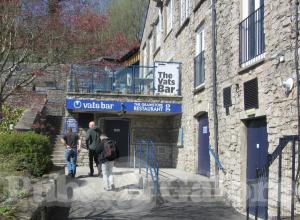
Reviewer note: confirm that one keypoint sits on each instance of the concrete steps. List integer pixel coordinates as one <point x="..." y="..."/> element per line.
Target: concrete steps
<point x="58" y="153"/>
<point x="177" y="187"/>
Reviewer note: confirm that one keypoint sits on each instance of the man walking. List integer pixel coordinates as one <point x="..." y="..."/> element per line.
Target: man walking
<point x="92" y="140"/>
<point x="72" y="143"/>
<point x="107" y="156"/>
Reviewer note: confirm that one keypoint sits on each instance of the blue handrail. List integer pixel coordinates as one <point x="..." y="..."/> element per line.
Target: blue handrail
<point x="146" y="150"/>
<point x="218" y="163"/>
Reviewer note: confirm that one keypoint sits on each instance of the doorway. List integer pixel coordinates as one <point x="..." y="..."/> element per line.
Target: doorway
<point x="84" y="119"/>
<point x="257" y="156"/>
<point x="118" y="130"/>
<point x="203" y="146"/>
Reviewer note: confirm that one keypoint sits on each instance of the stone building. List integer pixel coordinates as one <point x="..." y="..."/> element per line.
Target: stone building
<point x="254" y="56"/>
<point x="125" y="106"/>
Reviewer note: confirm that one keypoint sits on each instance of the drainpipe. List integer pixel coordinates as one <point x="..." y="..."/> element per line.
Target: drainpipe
<point x="214" y="72"/>
<point x="297" y="83"/>
<point x="297" y="60"/>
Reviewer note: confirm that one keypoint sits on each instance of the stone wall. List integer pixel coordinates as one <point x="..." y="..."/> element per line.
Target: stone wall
<point x="55" y="105"/>
<point x="159" y="129"/>
<point x="278" y="108"/>
<point x="179" y="45"/>
<point x="156" y="129"/>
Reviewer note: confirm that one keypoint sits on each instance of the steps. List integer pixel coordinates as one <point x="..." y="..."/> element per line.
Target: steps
<point x="179" y="187"/>
<point x="58" y="154"/>
<point x="192" y="191"/>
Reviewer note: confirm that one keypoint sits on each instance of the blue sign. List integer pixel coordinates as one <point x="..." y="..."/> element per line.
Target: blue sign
<point x="98" y="105"/>
<point x="71" y="122"/>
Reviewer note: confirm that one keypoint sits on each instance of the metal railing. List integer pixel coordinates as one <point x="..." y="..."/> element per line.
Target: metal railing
<point x="125" y="80"/>
<point x="262" y="178"/>
<point x="199" y="69"/>
<point x="252" y="37"/>
<point x="147" y="158"/>
<point x="217" y="161"/>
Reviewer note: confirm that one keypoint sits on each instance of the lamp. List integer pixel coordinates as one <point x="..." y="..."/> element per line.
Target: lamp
<point x="288" y="85"/>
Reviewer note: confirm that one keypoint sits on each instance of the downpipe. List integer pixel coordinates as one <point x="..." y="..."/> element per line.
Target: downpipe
<point x="214" y="75"/>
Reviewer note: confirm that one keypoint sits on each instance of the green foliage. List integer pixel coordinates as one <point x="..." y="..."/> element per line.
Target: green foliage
<point x="3" y="189"/>
<point x="7" y="212"/>
<point x="29" y="151"/>
<point x="22" y="194"/>
<point x="127" y="16"/>
<point x="11" y="116"/>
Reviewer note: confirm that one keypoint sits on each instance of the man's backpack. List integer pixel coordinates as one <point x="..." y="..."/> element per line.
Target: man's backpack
<point x="110" y="150"/>
<point x="98" y="145"/>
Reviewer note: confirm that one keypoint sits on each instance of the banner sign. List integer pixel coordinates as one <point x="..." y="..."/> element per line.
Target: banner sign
<point x="98" y="105"/>
<point x="166" y="78"/>
<point x="70" y="122"/>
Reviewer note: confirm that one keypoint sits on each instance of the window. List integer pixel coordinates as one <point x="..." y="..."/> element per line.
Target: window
<point x="144" y="62"/>
<point x="227" y="99"/>
<point x="151" y="51"/>
<point x="185" y="9"/>
<point x="199" y="58"/>
<point x="251" y="94"/>
<point x="251" y="30"/>
<point x="199" y="40"/>
<point x="158" y="29"/>
<point x="169" y="9"/>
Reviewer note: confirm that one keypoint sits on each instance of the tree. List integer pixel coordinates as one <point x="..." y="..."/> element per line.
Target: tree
<point x="30" y="32"/>
<point x="16" y="42"/>
<point x="128" y="16"/>
<point x="57" y="31"/>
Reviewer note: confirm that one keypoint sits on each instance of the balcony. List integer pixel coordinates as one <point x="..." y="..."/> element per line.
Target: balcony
<point x="252" y="38"/>
<point x="199" y="70"/>
<point x="113" y="91"/>
<point x="98" y="80"/>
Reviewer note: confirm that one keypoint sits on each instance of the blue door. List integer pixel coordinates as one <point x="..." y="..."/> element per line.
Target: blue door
<point x="257" y="155"/>
<point x="203" y="152"/>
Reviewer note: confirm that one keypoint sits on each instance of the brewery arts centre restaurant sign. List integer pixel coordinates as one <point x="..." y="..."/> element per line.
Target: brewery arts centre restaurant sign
<point x="99" y="105"/>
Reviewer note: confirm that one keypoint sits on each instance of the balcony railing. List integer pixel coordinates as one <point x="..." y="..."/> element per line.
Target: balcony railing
<point x="86" y="79"/>
<point x="252" y="37"/>
<point x="199" y="69"/>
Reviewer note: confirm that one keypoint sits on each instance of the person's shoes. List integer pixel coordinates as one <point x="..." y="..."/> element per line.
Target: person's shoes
<point x="73" y="175"/>
<point x="91" y="174"/>
<point x="70" y="174"/>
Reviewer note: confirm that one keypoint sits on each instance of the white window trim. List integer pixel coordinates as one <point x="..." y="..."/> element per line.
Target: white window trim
<point x="245" y="8"/>
<point x="185" y="10"/>
<point x="169" y="16"/>
<point x="158" y="35"/>
<point x="151" y="50"/>
<point x="200" y="32"/>
<point x="245" y="15"/>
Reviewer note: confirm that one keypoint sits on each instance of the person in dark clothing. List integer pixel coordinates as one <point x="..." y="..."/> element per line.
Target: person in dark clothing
<point x="73" y="145"/>
<point x="92" y="140"/>
<point x="107" y="165"/>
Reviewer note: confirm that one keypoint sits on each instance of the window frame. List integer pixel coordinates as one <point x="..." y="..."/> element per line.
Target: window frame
<point x="169" y="17"/>
<point x="185" y="10"/>
<point x="199" y="57"/>
<point x="200" y="34"/>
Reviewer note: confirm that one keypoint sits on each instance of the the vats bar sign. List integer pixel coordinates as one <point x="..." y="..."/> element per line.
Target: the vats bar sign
<point x="166" y="78"/>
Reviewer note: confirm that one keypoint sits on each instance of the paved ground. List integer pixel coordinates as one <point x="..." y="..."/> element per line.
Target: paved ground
<point x="87" y="200"/>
